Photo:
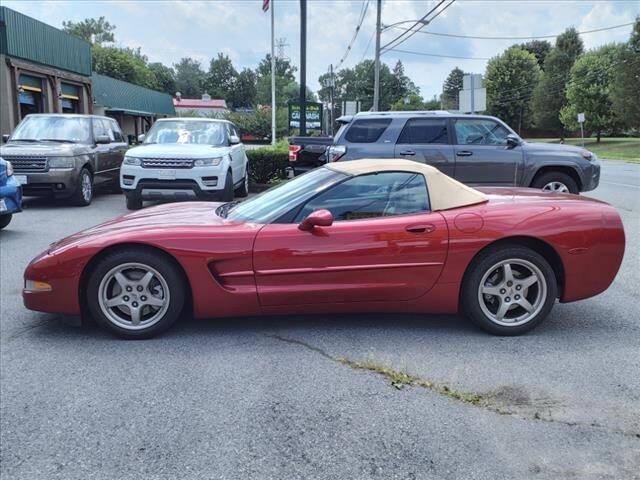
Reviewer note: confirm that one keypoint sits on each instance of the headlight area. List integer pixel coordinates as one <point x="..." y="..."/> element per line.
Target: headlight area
<point x="208" y="162"/>
<point x="136" y="162"/>
<point x="37" y="286"/>
<point x="62" y="162"/>
<point x="9" y="169"/>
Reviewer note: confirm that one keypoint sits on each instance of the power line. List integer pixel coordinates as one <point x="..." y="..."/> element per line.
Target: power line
<point x="434" y="54"/>
<point x="363" y="12"/>
<point x="453" y="35"/>
<point x="410" y="32"/>
<point x="366" y="49"/>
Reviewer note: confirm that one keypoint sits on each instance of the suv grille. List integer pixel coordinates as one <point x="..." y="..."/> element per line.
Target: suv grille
<point x="27" y="164"/>
<point x="167" y="163"/>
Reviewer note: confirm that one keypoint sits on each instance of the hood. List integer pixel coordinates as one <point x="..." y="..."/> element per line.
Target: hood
<point x="41" y="149"/>
<point x="177" y="150"/>
<point x="149" y="222"/>
<point x="554" y="147"/>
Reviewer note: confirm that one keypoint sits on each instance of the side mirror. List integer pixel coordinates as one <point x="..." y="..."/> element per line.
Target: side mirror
<point x="234" y="140"/>
<point x="141" y="138"/>
<point x="5" y="138"/>
<point x="512" y="140"/>
<point x="318" y="218"/>
<point x="102" y="139"/>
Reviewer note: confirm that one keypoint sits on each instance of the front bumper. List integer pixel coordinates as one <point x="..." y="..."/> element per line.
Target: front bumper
<point x="173" y="184"/>
<point x="10" y="197"/>
<point x="592" y="176"/>
<point x="60" y="182"/>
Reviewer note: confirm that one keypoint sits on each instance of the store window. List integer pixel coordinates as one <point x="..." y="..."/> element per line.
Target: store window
<point x="70" y="98"/>
<point x="30" y="95"/>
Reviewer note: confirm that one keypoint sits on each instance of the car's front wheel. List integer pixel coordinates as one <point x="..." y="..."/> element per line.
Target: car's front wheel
<point x="5" y="220"/>
<point x="556" y="182"/>
<point x="83" y="194"/>
<point x="133" y="201"/>
<point x="243" y="190"/>
<point x="227" y="193"/>
<point x="509" y="290"/>
<point x="136" y="293"/>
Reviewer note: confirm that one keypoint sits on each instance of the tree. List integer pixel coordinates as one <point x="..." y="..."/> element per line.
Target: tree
<point x="588" y="91"/>
<point x="451" y="89"/>
<point x="283" y="68"/>
<point x="411" y="102"/>
<point x="624" y="88"/>
<point x="549" y="95"/>
<point x="401" y="86"/>
<point x="510" y="80"/>
<point x="540" y="48"/>
<point x="221" y="77"/>
<point x="189" y="78"/>
<point x="94" y="31"/>
<point x="122" y="64"/>
<point x="165" y="78"/>
<point x="244" y="90"/>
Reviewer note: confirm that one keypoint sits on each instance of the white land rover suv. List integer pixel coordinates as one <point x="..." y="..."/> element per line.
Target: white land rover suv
<point x="186" y="159"/>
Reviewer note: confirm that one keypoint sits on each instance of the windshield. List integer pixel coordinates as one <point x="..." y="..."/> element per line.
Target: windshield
<point x="54" y="128"/>
<point x="275" y="202"/>
<point x="187" y="132"/>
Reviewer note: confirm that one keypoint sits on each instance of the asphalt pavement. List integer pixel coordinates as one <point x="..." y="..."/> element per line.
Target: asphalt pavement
<point x="284" y="397"/>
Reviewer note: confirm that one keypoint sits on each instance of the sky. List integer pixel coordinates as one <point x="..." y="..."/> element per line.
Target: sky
<point x="171" y="29"/>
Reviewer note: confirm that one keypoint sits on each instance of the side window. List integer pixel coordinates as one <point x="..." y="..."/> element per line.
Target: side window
<point x="371" y="196"/>
<point x="367" y="130"/>
<point x="117" y="133"/>
<point x="424" y="131"/>
<point x="101" y="127"/>
<point x="480" y="132"/>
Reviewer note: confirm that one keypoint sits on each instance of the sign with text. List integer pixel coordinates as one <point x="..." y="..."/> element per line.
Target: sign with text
<point x="313" y="116"/>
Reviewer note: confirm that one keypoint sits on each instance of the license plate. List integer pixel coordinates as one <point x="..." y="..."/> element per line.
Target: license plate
<point x="3" y="205"/>
<point x="21" y="179"/>
<point x="167" y="175"/>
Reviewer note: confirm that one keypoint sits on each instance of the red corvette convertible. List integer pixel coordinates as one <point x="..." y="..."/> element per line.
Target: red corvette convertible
<point x="360" y="236"/>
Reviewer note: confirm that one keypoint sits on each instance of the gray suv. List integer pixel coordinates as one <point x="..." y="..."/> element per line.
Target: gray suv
<point x="474" y="149"/>
<point x="64" y="155"/>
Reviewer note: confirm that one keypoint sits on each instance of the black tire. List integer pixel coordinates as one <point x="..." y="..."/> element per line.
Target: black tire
<point x="227" y="193"/>
<point x="552" y="177"/>
<point x="171" y="274"/>
<point x="243" y="190"/>
<point x="133" y="201"/>
<point x="81" y="197"/>
<point x="5" y="220"/>
<point x="481" y="265"/>
<point x="115" y="186"/>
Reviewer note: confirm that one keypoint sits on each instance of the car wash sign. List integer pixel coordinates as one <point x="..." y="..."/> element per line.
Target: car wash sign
<point x="313" y="116"/>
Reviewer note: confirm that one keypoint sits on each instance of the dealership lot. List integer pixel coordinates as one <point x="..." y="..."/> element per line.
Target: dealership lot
<point x="280" y="398"/>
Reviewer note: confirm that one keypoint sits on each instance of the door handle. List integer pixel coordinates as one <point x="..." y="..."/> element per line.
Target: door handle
<point x="408" y="153"/>
<point x="464" y="153"/>
<point x="420" y="228"/>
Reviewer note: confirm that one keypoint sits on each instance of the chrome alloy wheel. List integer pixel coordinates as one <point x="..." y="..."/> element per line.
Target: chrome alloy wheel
<point x="87" y="188"/>
<point x="512" y="292"/>
<point x="556" y="187"/>
<point x="133" y="296"/>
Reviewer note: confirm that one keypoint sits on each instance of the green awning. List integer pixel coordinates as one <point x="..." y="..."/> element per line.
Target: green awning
<point x="116" y="95"/>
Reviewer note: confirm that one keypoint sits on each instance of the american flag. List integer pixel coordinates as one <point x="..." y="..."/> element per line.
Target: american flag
<point x="265" y="5"/>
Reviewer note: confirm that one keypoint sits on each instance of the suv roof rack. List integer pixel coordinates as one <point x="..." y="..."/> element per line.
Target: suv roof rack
<point x="405" y="112"/>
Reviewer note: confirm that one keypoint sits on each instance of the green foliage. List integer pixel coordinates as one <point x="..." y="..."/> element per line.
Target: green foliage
<point x="189" y="78"/>
<point x="412" y="102"/>
<point x="256" y="123"/>
<point x="94" y="31"/>
<point x="588" y="91"/>
<point x="284" y="68"/>
<point x="451" y="89"/>
<point x="244" y="89"/>
<point x="267" y="164"/>
<point x="165" y="78"/>
<point x="570" y="42"/>
<point x="540" y="48"/>
<point x="510" y="80"/>
<point x="221" y="79"/>
<point x="123" y="64"/>
<point x="625" y="94"/>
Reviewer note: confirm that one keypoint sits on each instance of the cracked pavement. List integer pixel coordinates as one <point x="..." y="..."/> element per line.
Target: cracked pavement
<point x="269" y="398"/>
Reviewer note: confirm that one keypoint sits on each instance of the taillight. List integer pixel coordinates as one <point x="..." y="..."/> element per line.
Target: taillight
<point x="293" y="152"/>
<point x="335" y="152"/>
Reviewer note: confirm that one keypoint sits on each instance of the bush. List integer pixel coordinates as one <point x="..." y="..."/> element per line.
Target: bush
<point x="267" y="164"/>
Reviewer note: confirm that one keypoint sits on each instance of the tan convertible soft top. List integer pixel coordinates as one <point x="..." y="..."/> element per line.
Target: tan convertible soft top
<point x="444" y="191"/>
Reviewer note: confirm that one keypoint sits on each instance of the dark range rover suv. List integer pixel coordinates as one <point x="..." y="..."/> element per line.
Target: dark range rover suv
<point x="474" y="149"/>
<point x="64" y="155"/>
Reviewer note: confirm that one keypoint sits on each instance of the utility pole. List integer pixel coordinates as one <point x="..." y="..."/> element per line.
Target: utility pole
<point x="273" y="77"/>
<point x="331" y="99"/>
<point x="376" y="81"/>
<point x="303" y="67"/>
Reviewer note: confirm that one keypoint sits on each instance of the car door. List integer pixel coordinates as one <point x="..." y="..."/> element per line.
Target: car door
<point x="101" y="151"/>
<point x="426" y="140"/>
<point x="384" y="245"/>
<point x="119" y="146"/>
<point x="483" y="156"/>
<point x="237" y="155"/>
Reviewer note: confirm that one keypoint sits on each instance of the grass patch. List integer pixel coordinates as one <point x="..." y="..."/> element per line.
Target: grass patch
<point x="623" y="148"/>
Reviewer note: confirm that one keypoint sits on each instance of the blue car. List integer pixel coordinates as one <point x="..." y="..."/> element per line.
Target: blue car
<point x="10" y="193"/>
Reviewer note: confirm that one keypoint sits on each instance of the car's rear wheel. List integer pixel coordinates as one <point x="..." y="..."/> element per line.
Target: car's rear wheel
<point x="5" y="220"/>
<point x="136" y="293"/>
<point x="227" y="193"/>
<point x="509" y="290"/>
<point x="133" y="201"/>
<point x="83" y="194"/>
<point x="556" y="182"/>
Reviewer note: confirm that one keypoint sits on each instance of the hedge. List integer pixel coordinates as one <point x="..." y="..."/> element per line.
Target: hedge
<point x="267" y="164"/>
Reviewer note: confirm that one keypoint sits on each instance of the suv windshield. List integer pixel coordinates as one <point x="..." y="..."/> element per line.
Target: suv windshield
<point x="187" y="132"/>
<point x="54" y="128"/>
<point x="277" y="201"/>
